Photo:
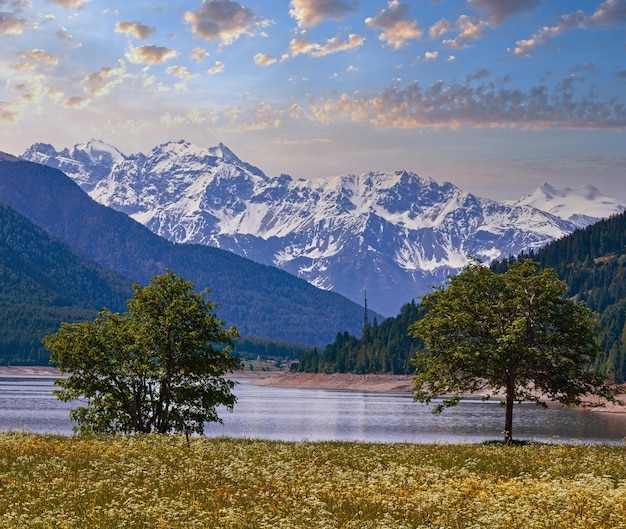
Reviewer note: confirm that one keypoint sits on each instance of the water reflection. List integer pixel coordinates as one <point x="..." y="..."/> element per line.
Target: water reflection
<point x="27" y="403"/>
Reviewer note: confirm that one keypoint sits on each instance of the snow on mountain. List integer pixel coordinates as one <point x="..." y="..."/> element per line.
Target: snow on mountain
<point x="582" y="205"/>
<point x="393" y="234"/>
<point x="87" y="163"/>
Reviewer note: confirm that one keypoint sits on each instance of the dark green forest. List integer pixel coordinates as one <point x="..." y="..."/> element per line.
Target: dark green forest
<point x="592" y="261"/>
<point x="259" y="300"/>
<point x="42" y="283"/>
<point x="382" y="348"/>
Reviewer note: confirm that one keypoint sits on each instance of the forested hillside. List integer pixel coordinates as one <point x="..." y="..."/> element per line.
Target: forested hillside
<point x="593" y="263"/>
<point x="383" y="348"/>
<point x="43" y="282"/>
<point x="260" y="300"/>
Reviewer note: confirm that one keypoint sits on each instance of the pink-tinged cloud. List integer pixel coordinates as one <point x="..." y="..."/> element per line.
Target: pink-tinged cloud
<point x="150" y="54"/>
<point x="39" y="56"/>
<point x="69" y="4"/>
<point x="260" y="59"/>
<point x="310" y="13"/>
<point x="198" y="54"/>
<point x="218" y="67"/>
<point x="397" y="28"/>
<point x="608" y="13"/>
<point x="7" y="114"/>
<point x="180" y="72"/>
<point x="470" y="28"/>
<point x="224" y="20"/>
<point x="332" y="45"/>
<point x="77" y="102"/>
<point x="440" y="28"/>
<point x="103" y="81"/>
<point x="136" y="29"/>
<point x="12" y="24"/>
<point x="454" y="105"/>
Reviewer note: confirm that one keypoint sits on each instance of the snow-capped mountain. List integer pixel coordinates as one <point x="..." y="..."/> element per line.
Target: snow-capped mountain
<point x="391" y="235"/>
<point x="582" y="205"/>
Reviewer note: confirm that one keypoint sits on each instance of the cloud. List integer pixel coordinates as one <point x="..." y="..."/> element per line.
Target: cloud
<point x="473" y="27"/>
<point x="150" y="54"/>
<point x="62" y="34"/>
<point x="332" y="45"/>
<point x="396" y="27"/>
<point x="431" y="55"/>
<point x="453" y="105"/>
<point x="136" y="29"/>
<point x="33" y="58"/>
<point x="7" y="113"/>
<point x="69" y="4"/>
<point x="180" y="72"/>
<point x="470" y="28"/>
<point x="261" y="59"/>
<point x="104" y="80"/>
<point x="224" y="20"/>
<point x="309" y="13"/>
<point x="198" y="54"/>
<point x="608" y="13"/>
<point x="298" y="46"/>
<point x="621" y="73"/>
<point x="11" y="22"/>
<point x="441" y="27"/>
<point x="500" y="10"/>
<point x="217" y="68"/>
<point x="260" y="117"/>
<point x="77" y="102"/>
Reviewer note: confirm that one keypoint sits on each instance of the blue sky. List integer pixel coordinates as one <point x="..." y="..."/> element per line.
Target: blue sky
<point x="496" y="96"/>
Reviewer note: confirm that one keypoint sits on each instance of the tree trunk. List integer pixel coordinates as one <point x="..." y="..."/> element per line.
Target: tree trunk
<point x="508" y="421"/>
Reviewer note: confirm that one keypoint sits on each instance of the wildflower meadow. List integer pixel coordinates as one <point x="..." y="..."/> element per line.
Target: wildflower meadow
<point x="156" y="481"/>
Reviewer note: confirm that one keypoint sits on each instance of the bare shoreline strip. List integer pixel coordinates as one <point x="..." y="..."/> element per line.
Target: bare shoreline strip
<point x="288" y="379"/>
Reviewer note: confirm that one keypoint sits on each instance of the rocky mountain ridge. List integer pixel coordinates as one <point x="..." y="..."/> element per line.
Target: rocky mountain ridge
<point x="390" y="235"/>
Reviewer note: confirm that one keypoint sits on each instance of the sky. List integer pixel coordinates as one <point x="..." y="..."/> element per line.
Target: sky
<point x="495" y="96"/>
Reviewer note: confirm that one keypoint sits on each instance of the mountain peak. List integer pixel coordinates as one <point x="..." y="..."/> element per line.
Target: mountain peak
<point x="582" y="205"/>
<point x="99" y="151"/>
<point x="221" y="151"/>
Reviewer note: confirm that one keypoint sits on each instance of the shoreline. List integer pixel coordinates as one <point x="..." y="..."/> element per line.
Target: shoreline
<point x="334" y="381"/>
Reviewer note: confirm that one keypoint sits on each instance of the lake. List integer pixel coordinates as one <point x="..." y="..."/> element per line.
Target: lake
<point x="27" y="403"/>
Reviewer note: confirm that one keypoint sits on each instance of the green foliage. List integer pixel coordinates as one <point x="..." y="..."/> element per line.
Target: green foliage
<point x="592" y="262"/>
<point x="384" y="348"/>
<point x="156" y="368"/>
<point x="513" y="332"/>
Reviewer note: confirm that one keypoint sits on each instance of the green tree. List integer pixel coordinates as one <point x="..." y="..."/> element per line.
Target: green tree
<point x="512" y="333"/>
<point x="159" y="367"/>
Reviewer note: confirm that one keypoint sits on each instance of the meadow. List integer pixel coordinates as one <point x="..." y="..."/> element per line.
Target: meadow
<point x="147" y="481"/>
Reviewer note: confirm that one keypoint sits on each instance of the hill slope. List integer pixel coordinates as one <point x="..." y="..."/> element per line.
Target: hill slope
<point x="260" y="300"/>
<point x="42" y="283"/>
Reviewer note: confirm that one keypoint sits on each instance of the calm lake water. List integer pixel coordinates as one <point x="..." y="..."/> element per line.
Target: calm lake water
<point x="27" y="403"/>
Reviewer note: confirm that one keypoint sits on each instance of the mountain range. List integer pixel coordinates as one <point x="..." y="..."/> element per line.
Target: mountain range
<point x="59" y="243"/>
<point x="385" y="235"/>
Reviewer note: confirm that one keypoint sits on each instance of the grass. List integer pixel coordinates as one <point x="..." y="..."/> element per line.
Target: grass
<point x="159" y="482"/>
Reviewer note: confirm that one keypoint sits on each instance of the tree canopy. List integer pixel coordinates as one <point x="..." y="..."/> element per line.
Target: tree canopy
<point x="159" y="367"/>
<point x="512" y="333"/>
